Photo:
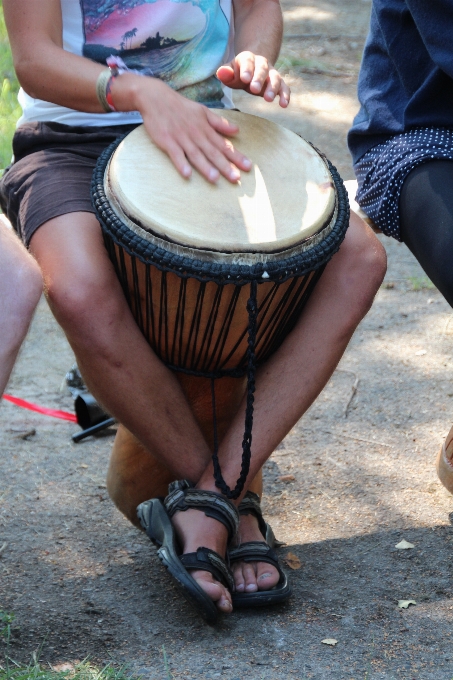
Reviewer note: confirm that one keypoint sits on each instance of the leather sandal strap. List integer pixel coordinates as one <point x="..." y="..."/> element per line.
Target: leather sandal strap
<point x="206" y="559"/>
<point x="182" y="496"/>
<point x="254" y="551"/>
<point x="250" y="505"/>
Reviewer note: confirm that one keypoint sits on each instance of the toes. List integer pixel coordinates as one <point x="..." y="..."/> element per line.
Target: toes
<point x="267" y="576"/>
<point x="215" y="590"/>
<point x="248" y="570"/>
<point x="239" y="581"/>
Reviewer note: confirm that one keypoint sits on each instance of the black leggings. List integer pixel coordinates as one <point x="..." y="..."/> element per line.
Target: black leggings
<point x="426" y="211"/>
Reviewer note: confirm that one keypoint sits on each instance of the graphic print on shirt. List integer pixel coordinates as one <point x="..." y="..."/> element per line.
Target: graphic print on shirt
<point x="182" y="42"/>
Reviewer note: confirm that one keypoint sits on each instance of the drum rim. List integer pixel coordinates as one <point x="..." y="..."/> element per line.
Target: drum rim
<point x="225" y="257"/>
<point x="187" y="237"/>
<point x="272" y="267"/>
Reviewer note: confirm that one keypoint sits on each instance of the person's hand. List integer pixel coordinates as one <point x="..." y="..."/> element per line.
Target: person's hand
<point x="254" y="74"/>
<point x="192" y="135"/>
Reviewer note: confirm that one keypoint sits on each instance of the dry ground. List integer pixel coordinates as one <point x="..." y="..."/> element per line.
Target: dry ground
<point x="81" y="581"/>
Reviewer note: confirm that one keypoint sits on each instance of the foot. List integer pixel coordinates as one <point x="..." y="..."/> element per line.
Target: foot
<point x="194" y="530"/>
<point x="252" y="576"/>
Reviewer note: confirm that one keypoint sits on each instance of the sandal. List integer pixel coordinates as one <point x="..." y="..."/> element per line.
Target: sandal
<point x="155" y="518"/>
<point x="259" y="551"/>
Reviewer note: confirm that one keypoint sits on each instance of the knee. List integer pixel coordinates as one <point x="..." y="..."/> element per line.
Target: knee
<point x="364" y="263"/>
<point x="29" y="286"/>
<point x="21" y="286"/>
<point x="85" y="306"/>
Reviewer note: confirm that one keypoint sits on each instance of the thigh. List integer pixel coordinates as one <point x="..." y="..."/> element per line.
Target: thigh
<point x="79" y="279"/>
<point x="71" y="248"/>
<point x="426" y="214"/>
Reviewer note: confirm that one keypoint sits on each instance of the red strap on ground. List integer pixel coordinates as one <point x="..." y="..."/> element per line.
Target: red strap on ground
<point x="64" y="415"/>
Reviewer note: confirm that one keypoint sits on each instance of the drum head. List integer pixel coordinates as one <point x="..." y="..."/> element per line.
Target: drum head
<point x="286" y="198"/>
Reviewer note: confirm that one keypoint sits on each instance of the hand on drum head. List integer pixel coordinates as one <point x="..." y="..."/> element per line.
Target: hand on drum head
<point x="191" y="134"/>
<point x="254" y="74"/>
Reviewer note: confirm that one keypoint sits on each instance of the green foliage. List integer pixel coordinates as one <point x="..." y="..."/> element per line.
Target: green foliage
<point x="9" y="87"/>
<point x="5" y="624"/>
<point x="81" y="671"/>
<point x="420" y="283"/>
<point x="36" y="671"/>
<point x="290" y="61"/>
<point x="170" y="676"/>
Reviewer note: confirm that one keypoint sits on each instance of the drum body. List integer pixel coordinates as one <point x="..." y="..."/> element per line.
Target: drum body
<point x="217" y="276"/>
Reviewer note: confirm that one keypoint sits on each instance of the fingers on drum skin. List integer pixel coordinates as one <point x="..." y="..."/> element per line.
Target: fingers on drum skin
<point x="235" y="156"/>
<point x="199" y="156"/>
<point x="222" y="154"/>
<point x="178" y="158"/>
<point x="212" y="157"/>
<point x="221" y="124"/>
<point x="204" y="148"/>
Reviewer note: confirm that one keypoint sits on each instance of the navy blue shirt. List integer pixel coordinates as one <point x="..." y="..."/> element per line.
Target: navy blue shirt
<point x="406" y="77"/>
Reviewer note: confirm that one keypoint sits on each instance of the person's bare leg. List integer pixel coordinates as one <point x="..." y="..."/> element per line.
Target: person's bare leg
<point x="20" y="290"/>
<point x="117" y="363"/>
<point x="87" y="300"/>
<point x="134" y="475"/>
<point x="295" y="375"/>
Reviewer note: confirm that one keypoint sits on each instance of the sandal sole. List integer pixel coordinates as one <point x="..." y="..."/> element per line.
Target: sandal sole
<point x="157" y="524"/>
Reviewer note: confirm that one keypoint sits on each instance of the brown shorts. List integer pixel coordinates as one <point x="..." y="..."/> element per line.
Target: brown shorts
<point x="51" y="172"/>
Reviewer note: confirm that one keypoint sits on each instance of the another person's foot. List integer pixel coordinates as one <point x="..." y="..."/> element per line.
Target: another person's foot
<point x="444" y="463"/>
<point x="194" y="529"/>
<point x="249" y="577"/>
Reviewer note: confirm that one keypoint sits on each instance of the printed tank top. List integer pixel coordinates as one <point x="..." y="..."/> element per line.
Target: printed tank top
<point x="182" y="42"/>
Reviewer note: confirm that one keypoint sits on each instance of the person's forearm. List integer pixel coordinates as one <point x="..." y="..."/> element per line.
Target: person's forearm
<point x="258" y="27"/>
<point x="46" y="71"/>
<point x="68" y="80"/>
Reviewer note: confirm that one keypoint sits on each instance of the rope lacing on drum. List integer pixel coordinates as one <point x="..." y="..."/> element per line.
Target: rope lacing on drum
<point x="252" y="309"/>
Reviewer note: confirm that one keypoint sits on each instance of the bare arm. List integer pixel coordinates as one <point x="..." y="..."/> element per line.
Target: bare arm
<point x="258" y="37"/>
<point x="189" y="133"/>
<point x="259" y="27"/>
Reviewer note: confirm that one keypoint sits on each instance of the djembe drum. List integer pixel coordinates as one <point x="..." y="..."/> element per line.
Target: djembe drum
<point x="217" y="275"/>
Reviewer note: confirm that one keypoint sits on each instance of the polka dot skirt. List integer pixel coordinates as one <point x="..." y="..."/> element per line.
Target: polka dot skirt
<point x="382" y="170"/>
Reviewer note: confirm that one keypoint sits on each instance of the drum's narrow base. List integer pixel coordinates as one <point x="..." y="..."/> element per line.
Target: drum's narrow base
<point x="135" y="475"/>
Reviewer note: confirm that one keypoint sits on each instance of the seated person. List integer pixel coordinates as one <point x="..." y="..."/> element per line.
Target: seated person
<point x="20" y="290"/>
<point x="401" y="140"/>
<point x="59" y="54"/>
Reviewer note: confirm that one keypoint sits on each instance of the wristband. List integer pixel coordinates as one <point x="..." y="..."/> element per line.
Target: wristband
<point x="116" y="67"/>
<point x="103" y="88"/>
<point x="108" y="94"/>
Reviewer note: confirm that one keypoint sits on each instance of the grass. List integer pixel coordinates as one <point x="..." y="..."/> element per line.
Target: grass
<point x="9" y="87"/>
<point x="420" y="283"/>
<point x="167" y="668"/>
<point x="37" y="671"/>
<point x="80" y="671"/>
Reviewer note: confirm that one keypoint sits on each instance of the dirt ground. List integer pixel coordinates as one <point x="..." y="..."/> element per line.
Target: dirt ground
<point x="82" y="582"/>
